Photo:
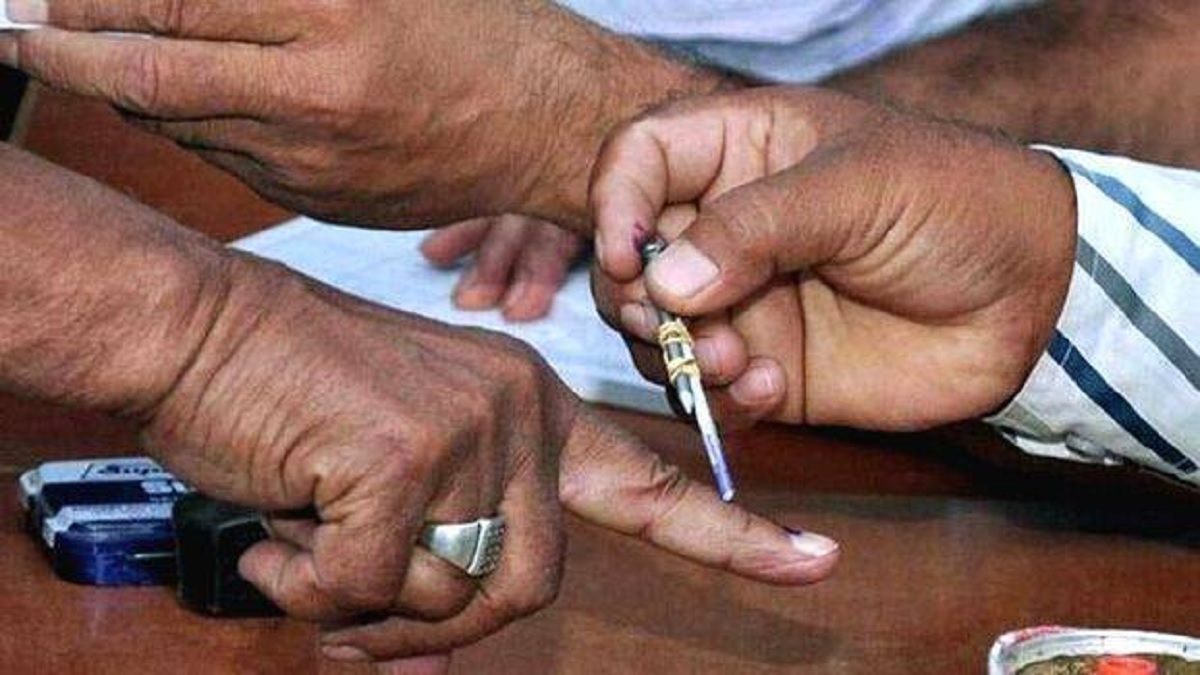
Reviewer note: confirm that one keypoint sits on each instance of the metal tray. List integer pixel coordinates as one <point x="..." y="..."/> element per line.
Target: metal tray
<point x="1021" y="648"/>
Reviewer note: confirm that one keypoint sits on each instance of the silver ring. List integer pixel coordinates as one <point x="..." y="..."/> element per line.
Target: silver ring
<point x="472" y="547"/>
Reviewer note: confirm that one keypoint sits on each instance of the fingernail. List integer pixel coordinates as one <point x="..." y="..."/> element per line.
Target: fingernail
<point x="812" y="544"/>
<point x="28" y="11"/>
<point x="640" y="235"/>
<point x="515" y="294"/>
<point x="683" y="270"/>
<point x="469" y="278"/>
<point x="760" y="383"/>
<point x="636" y="320"/>
<point x="344" y="653"/>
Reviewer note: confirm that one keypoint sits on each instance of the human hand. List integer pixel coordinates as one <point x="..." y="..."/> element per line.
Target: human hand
<point x="262" y="388"/>
<point x="394" y="114"/>
<point x="301" y="396"/>
<point x="519" y="263"/>
<point x="856" y="265"/>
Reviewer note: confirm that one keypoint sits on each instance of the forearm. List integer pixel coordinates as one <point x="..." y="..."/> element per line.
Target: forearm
<point x="595" y="81"/>
<point x="104" y="302"/>
<point x="1109" y="75"/>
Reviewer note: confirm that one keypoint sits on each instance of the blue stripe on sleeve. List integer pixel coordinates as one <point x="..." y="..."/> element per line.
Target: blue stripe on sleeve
<point x="1116" y="406"/>
<point x="1176" y="350"/>
<point x="1120" y="193"/>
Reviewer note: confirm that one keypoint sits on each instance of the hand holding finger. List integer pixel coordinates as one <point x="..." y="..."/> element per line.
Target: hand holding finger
<point x="520" y="585"/>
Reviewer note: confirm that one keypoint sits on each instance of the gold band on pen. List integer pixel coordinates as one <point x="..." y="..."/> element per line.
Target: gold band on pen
<point x="676" y="333"/>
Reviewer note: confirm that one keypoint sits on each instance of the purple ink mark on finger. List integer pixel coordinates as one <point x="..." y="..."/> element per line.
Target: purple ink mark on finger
<point x="641" y="235"/>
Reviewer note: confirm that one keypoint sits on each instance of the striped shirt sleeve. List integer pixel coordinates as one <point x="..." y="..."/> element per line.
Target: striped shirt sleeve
<point x="1120" y="381"/>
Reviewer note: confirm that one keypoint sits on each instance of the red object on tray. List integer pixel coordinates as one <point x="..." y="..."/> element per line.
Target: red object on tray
<point x="1125" y="665"/>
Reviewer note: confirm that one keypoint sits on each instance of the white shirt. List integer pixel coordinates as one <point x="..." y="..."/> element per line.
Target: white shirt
<point x="786" y="40"/>
<point x="1120" y="381"/>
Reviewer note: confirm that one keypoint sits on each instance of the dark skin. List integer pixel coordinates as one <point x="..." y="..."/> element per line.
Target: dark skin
<point x="540" y="92"/>
<point x="427" y="113"/>
<point x="544" y="89"/>
<point x="265" y="388"/>
<point x="515" y="124"/>
<point x="1110" y="75"/>
<point x="854" y="265"/>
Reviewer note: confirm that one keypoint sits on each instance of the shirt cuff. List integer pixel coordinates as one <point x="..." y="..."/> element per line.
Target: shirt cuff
<point x="1099" y="372"/>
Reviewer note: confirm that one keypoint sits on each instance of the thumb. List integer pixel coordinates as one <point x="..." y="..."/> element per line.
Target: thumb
<point x="611" y="479"/>
<point x="739" y="242"/>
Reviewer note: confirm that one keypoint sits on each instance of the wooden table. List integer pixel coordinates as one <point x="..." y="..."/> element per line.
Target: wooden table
<point x="950" y="538"/>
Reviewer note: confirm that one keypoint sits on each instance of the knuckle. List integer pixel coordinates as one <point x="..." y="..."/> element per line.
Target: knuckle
<point x="311" y="169"/>
<point x="409" y="452"/>
<point x="451" y="601"/>
<point x="165" y="17"/>
<point x="524" y="368"/>
<point x="141" y="82"/>
<point x="319" y="104"/>
<point x="483" y="410"/>
<point x="742" y="228"/>
<point x="545" y="593"/>
<point x="641" y="125"/>
<point x="494" y="262"/>
<point x="351" y="595"/>
<point x="525" y="600"/>
<point x="670" y="488"/>
<point x="522" y="359"/>
<point x="341" y="107"/>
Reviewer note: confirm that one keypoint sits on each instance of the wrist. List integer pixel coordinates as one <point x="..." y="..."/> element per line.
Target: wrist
<point x="104" y="299"/>
<point x="587" y="86"/>
<point x="1056" y="237"/>
<point x="252" y="300"/>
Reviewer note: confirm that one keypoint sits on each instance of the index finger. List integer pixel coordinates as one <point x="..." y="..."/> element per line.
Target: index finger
<point x="257" y="22"/>
<point x="643" y="167"/>
<point x="610" y="479"/>
<point x="173" y="79"/>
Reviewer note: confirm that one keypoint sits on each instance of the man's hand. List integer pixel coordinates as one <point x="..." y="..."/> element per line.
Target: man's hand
<point x="519" y="263"/>
<point x="392" y="114"/>
<point x="261" y="387"/>
<point x="302" y="396"/>
<point x="857" y="266"/>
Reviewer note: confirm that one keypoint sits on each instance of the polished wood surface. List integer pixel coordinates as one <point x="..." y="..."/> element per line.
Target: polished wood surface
<point x="949" y="538"/>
